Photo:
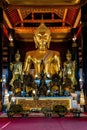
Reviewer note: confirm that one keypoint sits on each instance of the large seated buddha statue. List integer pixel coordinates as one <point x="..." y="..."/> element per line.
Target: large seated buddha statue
<point x="42" y="54"/>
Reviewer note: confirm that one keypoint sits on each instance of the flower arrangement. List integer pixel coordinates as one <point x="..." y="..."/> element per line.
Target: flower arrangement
<point x="47" y="111"/>
<point x="61" y="110"/>
<point x="76" y="112"/>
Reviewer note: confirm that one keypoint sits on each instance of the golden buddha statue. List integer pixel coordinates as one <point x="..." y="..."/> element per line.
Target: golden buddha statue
<point x="51" y="59"/>
<point x="16" y="69"/>
<point x="69" y="69"/>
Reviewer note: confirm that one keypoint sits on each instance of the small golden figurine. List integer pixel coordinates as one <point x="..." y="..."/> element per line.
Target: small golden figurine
<point x="70" y="69"/>
<point x="16" y="69"/>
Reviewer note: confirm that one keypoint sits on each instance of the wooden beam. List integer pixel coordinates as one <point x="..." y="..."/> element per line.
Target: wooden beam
<point x="78" y="19"/>
<point x="44" y="20"/>
<point x="7" y="20"/>
<point x="31" y="30"/>
<point x="20" y="15"/>
<point x="65" y="13"/>
<point x="41" y="3"/>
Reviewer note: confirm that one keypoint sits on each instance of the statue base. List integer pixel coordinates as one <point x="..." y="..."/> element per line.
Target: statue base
<point x="29" y="103"/>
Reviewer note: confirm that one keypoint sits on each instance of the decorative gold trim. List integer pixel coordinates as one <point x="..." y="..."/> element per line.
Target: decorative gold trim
<point x="44" y="2"/>
<point x="29" y="103"/>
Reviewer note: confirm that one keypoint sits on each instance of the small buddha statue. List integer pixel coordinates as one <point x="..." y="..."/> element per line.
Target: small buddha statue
<point x="69" y="70"/>
<point x="16" y="68"/>
<point x="50" y="58"/>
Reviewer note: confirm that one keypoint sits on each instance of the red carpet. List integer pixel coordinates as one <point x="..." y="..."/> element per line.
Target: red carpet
<point x="41" y="123"/>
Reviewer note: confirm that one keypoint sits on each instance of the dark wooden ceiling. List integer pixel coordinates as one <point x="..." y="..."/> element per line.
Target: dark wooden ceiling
<point x="59" y="16"/>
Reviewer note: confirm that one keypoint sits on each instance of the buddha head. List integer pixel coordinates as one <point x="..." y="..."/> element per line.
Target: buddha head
<point x="17" y="56"/>
<point x="42" y="37"/>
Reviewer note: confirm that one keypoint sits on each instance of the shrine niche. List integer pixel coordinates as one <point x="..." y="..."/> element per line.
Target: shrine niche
<point x="45" y="71"/>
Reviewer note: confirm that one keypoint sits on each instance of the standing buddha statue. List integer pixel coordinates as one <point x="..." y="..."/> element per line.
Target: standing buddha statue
<point x="70" y="69"/>
<point x="16" y="69"/>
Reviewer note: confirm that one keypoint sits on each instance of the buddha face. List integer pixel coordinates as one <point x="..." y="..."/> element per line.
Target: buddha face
<point x="42" y="39"/>
<point x="68" y="58"/>
<point x="17" y="58"/>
